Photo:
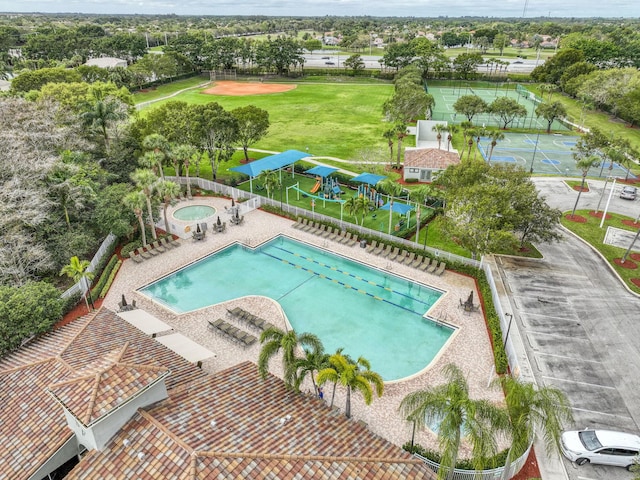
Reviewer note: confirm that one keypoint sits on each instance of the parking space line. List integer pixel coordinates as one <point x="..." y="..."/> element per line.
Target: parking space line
<point x="579" y="383"/>
<point x="597" y="412"/>
<point x="566" y="356"/>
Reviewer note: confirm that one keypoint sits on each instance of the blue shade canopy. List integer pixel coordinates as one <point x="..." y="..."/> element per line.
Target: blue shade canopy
<point x="274" y="162"/>
<point x="369" y="178"/>
<point x="400" y="208"/>
<point x="321" y="171"/>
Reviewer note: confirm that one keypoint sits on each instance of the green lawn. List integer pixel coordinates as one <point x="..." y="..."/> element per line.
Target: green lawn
<point x="167" y="89"/>
<point x="594" y="235"/>
<point x="331" y="120"/>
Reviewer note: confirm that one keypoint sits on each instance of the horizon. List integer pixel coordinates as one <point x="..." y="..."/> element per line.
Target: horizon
<point x="451" y="9"/>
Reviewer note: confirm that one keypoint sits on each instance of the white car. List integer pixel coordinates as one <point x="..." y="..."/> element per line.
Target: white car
<point x="602" y="447"/>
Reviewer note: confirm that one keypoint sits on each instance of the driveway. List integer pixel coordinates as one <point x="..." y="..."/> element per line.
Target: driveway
<point x="580" y="327"/>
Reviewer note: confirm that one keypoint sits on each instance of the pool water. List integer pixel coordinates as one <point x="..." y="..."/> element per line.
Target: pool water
<point x="194" y="212"/>
<point x="366" y="311"/>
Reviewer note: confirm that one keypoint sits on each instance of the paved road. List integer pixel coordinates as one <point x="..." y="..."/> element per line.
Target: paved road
<point x="580" y="328"/>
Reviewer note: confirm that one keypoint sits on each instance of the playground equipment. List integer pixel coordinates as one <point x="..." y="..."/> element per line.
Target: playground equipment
<point x="316" y="187"/>
<point x="371" y="193"/>
<point x="330" y="188"/>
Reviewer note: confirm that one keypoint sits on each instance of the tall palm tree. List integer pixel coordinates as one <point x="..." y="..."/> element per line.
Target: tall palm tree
<point x="439" y="128"/>
<point x="273" y="340"/>
<point x="495" y="136"/>
<point x="390" y="136"/>
<point x="146" y="181"/>
<point x="153" y="161"/>
<point x="312" y="362"/>
<point x="101" y="114"/>
<point x="160" y="147"/>
<point x="353" y="376"/>
<point x="392" y="189"/>
<point x="270" y="180"/>
<point x="584" y="164"/>
<point x="419" y="195"/>
<point x="77" y="270"/>
<point x="401" y="132"/>
<point x="363" y="203"/>
<point x="470" y="134"/>
<point x="182" y="154"/>
<point x="531" y="409"/>
<point x="479" y="133"/>
<point x="167" y="191"/>
<point x="351" y="204"/>
<point x="458" y="416"/>
<point x="451" y="131"/>
<point x="136" y="201"/>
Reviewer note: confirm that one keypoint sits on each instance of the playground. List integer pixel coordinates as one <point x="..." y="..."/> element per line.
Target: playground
<point x="544" y="154"/>
<point x="446" y="97"/>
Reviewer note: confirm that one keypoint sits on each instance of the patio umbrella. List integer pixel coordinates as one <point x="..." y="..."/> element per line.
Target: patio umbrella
<point x="233" y="203"/>
<point x="237" y="214"/>
<point x="124" y="301"/>
<point x="470" y="299"/>
<point x="198" y="228"/>
<point x="218" y="221"/>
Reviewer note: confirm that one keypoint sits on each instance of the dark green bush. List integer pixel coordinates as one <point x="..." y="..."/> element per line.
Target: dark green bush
<point x="496" y="461"/>
<point x="130" y="247"/>
<point x="102" y="280"/>
<point x="109" y="281"/>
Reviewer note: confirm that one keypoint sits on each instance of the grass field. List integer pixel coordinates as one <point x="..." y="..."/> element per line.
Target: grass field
<point x="167" y="89"/>
<point x="334" y="120"/>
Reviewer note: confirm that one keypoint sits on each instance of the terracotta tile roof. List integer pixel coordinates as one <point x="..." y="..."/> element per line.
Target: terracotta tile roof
<point x="430" y="158"/>
<point x="89" y="398"/>
<point x="247" y="438"/>
<point x="32" y="424"/>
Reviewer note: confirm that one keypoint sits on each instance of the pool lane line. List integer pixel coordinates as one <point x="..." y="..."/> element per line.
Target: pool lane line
<point x="363" y="292"/>
<point x="344" y="272"/>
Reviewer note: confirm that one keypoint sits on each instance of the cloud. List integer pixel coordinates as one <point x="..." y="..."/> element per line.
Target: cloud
<point x="400" y="8"/>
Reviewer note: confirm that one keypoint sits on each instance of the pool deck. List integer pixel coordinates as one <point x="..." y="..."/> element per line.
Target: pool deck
<point x="469" y="347"/>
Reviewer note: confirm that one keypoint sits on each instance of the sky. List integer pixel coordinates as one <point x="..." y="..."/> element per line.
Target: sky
<point x="399" y="8"/>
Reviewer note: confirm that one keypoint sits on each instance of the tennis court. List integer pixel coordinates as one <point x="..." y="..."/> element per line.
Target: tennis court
<point x="544" y="154"/>
<point x="445" y="97"/>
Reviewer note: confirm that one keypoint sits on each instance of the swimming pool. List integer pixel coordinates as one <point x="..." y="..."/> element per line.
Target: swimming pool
<point x="194" y="212"/>
<point x="366" y="311"/>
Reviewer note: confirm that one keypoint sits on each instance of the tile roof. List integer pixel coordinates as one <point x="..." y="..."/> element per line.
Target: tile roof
<point x="430" y="158"/>
<point x="32" y="424"/>
<point x="229" y="425"/>
<point x="91" y="397"/>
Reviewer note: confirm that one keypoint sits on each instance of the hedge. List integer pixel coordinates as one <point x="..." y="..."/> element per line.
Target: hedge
<point x="497" y="460"/>
<point x="109" y="281"/>
<point x="99" y="285"/>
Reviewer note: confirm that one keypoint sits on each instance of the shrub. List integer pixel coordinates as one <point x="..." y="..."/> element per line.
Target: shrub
<point x="99" y="285"/>
<point x="411" y="180"/>
<point x="130" y="247"/>
<point x="497" y="460"/>
<point x="109" y="281"/>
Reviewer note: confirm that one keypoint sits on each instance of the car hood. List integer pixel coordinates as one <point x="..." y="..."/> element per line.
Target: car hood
<point x="571" y="441"/>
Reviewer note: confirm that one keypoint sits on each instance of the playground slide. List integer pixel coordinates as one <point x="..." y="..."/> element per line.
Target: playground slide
<point x="316" y="187"/>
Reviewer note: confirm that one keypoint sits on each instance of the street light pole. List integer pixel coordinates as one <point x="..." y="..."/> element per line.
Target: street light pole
<point x="535" y="149"/>
<point x="506" y="337"/>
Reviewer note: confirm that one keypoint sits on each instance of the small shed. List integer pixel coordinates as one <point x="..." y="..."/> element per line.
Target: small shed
<point x="106" y="62"/>
<point x="423" y="164"/>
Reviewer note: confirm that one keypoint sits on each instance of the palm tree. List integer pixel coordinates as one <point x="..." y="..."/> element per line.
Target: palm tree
<point x="77" y="270"/>
<point x="101" y="114"/>
<point x="419" y="195"/>
<point x="451" y="131"/>
<point x="533" y="409"/>
<point x="167" y="191"/>
<point x="270" y="180"/>
<point x="136" y="201"/>
<point x="146" y="180"/>
<point x="159" y="146"/>
<point x="479" y="133"/>
<point x="458" y="415"/>
<point x="471" y="133"/>
<point x="354" y="376"/>
<point x="182" y="154"/>
<point x="273" y="340"/>
<point x="363" y="203"/>
<point x="401" y="132"/>
<point x="313" y="361"/>
<point x="392" y="189"/>
<point x="584" y="164"/>
<point x="495" y="136"/>
<point x="439" y="128"/>
<point x="351" y="204"/>
<point x="390" y="136"/>
<point x="153" y="161"/>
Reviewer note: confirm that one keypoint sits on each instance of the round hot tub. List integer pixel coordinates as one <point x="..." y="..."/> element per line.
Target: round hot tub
<point x="194" y="213"/>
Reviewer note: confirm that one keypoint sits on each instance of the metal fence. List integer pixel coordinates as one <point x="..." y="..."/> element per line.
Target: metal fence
<point x="82" y="286"/>
<point x="493" y="474"/>
<point x="255" y="201"/>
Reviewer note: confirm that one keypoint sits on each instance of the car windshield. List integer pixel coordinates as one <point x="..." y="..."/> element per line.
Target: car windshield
<point x="589" y="439"/>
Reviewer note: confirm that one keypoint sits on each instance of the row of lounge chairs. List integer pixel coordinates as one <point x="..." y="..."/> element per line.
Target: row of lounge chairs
<point x="244" y="338"/>
<point x="331" y="233"/>
<point x="156" y="248"/>
<point x="420" y="262"/>
<point x="250" y="318"/>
